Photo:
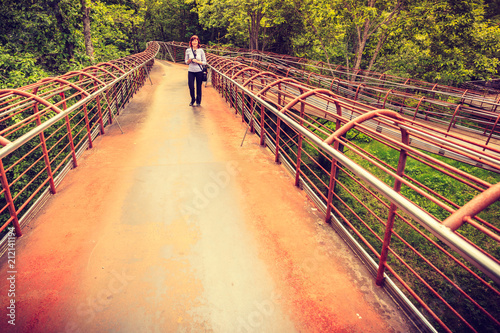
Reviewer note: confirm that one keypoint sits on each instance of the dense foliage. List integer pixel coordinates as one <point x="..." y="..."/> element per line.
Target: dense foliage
<point x="441" y="41"/>
<point x="445" y="41"/>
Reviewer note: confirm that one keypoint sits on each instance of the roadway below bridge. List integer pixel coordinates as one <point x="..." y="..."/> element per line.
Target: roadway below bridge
<point x="173" y="227"/>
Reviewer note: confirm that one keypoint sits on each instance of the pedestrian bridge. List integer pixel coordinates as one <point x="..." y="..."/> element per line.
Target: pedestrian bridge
<point x="249" y="213"/>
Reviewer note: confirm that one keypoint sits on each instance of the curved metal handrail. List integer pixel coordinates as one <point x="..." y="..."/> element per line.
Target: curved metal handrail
<point x="445" y="234"/>
<point x="12" y="146"/>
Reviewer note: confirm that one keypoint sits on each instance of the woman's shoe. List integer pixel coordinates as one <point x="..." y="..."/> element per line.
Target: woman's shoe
<point x="198" y="104"/>
<point x="191" y="104"/>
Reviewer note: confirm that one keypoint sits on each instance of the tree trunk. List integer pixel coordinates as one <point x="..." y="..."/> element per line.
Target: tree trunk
<point x="135" y="41"/>
<point x="370" y="27"/>
<point x="250" y="37"/>
<point x="327" y="55"/>
<point x="255" y="18"/>
<point x="347" y="54"/>
<point x="254" y="44"/>
<point x="362" y="39"/>
<point x="162" y="32"/>
<point x="89" y="48"/>
<point x="264" y="40"/>
<point x="64" y="29"/>
<point x="381" y="41"/>
<point x="183" y="28"/>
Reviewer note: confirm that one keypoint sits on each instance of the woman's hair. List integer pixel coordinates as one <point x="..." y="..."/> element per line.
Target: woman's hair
<point x="193" y="38"/>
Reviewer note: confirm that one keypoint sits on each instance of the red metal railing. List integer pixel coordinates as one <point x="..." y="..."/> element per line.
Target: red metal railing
<point x="478" y="120"/>
<point x="387" y="184"/>
<point x="401" y="229"/>
<point x="481" y="121"/>
<point x="46" y="126"/>
<point x="403" y="84"/>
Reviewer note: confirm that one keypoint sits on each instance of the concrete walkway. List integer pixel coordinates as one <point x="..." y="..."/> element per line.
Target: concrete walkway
<point x="173" y="227"/>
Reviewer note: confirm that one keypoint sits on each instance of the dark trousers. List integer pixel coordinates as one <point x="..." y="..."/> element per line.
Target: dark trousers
<point x="192" y="76"/>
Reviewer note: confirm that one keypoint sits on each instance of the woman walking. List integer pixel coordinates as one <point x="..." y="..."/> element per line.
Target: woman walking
<point x="195" y="58"/>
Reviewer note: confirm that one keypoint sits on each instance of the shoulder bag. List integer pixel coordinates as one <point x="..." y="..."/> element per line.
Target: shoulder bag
<point x="204" y="69"/>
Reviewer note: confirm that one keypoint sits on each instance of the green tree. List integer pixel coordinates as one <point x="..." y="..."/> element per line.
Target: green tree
<point x="168" y="20"/>
<point x="115" y="29"/>
<point x="368" y="17"/>
<point x="43" y="38"/>
<point x="246" y="20"/>
<point x="36" y="34"/>
<point x="344" y="28"/>
<point x="89" y="47"/>
<point x="445" y="41"/>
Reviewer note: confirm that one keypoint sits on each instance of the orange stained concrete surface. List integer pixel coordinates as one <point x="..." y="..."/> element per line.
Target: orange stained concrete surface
<point x="173" y="227"/>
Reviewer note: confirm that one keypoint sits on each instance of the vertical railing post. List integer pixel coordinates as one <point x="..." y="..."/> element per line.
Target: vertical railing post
<point x="494" y="110"/>
<point x="99" y="110"/>
<point x="10" y="202"/>
<point x="87" y="123"/>
<point x="110" y="107"/>
<point x="139" y="76"/>
<point x="492" y="131"/>
<point x="122" y="94"/>
<point x="243" y="106"/>
<point x="457" y="109"/>
<point x="70" y="134"/>
<point x="333" y="169"/>
<point x="128" y="90"/>
<point x="46" y="158"/>
<point x="297" y="165"/>
<point x="279" y="94"/>
<point x="134" y="81"/>
<point x="299" y="147"/>
<point x="137" y="80"/>
<point x="277" y="151"/>
<point x="252" y="118"/>
<point x="223" y="88"/>
<point x="143" y="72"/>
<point x="226" y="90"/>
<point x="357" y="91"/>
<point x="45" y="152"/>
<point x="262" y="129"/>
<point x="233" y="101"/>
<point x="215" y="81"/>
<point x="117" y="95"/>
<point x="392" y="211"/>
<point x="331" y="185"/>
<point x="416" y="108"/>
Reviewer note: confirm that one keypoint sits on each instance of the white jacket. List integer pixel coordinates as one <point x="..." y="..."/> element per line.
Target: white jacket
<point x="200" y="55"/>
